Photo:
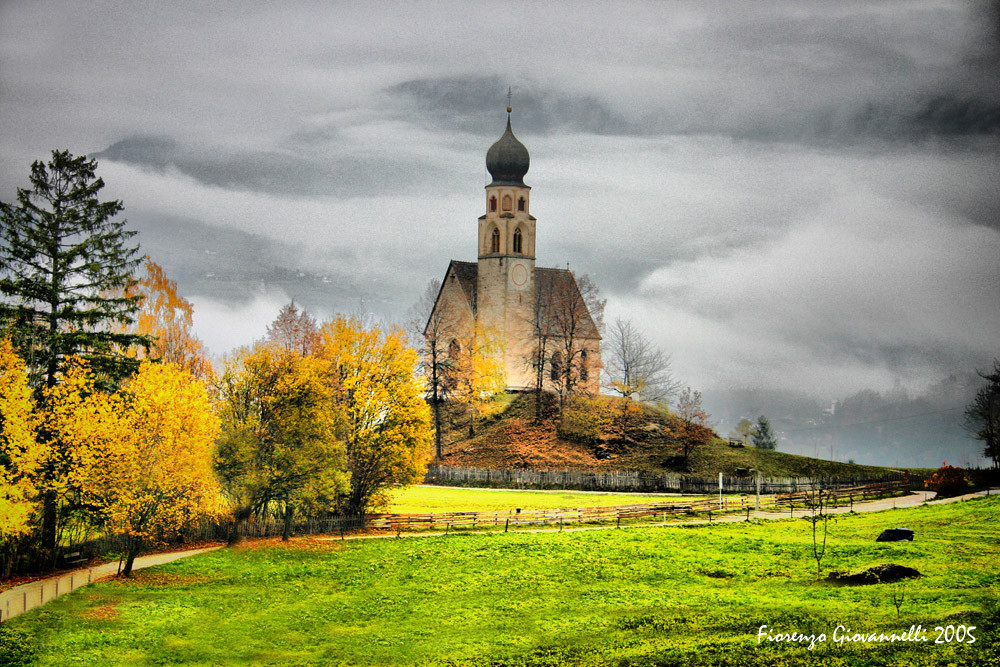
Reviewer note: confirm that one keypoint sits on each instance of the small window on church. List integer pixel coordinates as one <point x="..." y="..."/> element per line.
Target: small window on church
<point x="495" y="241"/>
<point x="520" y="204"/>
<point x="454" y="349"/>
<point x="584" y="374"/>
<point x="508" y="202"/>
<point x="555" y="366"/>
<point x="493" y="204"/>
<point x="517" y="240"/>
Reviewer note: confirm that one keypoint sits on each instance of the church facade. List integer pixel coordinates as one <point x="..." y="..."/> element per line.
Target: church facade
<point x="539" y="315"/>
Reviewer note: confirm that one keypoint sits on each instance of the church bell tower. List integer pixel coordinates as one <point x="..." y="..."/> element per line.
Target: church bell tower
<point x="506" y="273"/>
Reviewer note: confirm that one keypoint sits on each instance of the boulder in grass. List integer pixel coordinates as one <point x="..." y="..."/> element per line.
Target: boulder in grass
<point x="895" y="535"/>
<point x="880" y="574"/>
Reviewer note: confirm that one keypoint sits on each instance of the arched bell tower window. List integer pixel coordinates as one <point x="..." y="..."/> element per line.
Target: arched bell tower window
<point x="520" y="203"/>
<point x="493" y="204"/>
<point x="495" y="240"/>
<point x="555" y="366"/>
<point x="454" y="349"/>
<point x="508" y="203"/>
<point x="584" y="373"/>
<point x="517" y="240"/>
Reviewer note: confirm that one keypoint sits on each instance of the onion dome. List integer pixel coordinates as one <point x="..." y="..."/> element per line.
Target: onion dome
<point x="507" y="159"/>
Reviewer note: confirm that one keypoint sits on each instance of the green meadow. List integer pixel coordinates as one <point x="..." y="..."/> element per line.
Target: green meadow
<point x="640" y="596"/>
<point x="419" y="499"/>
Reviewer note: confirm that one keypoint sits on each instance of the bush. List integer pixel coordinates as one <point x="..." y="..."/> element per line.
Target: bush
<point x="948" y="481"/>
<point x="16" y="646"/>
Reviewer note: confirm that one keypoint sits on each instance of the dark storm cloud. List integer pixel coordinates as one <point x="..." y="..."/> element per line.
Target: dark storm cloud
<point x="470" y="104"/>
<point x="282" y="173"/>
<point x="780" y="191"/>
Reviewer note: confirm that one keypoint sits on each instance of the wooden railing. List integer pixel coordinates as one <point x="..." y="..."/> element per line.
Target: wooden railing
<point x="675" y="508"/>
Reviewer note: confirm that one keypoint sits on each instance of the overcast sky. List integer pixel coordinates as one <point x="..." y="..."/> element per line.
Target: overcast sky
<point x="791" y="195"/>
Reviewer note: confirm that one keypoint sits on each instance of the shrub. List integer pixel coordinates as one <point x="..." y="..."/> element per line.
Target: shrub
<point x="948" y="481"/>
<point x="16" y="646"/>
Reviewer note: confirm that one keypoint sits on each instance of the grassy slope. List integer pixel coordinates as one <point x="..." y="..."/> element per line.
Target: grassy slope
<point x="507" y="438"/>
<point x="691" y="596"/>
<point x="420" y="499"/>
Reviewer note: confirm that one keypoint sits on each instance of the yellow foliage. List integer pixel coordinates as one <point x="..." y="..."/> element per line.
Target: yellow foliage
<point x="384" y="420"/>
<point x="279" y="441"/>
<point x="141" y="460"/>
<point x="477" y="374"/>
<point x="20" y="453"/>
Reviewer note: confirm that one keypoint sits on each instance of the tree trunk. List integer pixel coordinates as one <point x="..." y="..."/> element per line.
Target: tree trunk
<point x="50" y="517"/>
<point x="135" y="546"/>
<point x="437" y="428"/>
<point x="286" y="533"/>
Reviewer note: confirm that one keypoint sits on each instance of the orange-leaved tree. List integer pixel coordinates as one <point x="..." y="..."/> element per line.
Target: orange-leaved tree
<point x="383" y="419"/>
<point x="142" y="458"/>
<point x="169" y="319"/>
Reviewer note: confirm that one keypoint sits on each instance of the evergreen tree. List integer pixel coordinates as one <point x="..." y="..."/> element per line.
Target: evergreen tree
<point x="66" y="269"/>
<point x="763" y="436"/>
<point x="66" y="289"/>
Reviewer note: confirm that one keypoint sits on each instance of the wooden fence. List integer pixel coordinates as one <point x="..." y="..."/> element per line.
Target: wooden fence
<point x="638" y="481"/>
<point x="708" y="508"/>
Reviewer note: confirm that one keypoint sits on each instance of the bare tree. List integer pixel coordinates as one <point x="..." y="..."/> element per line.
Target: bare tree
<point x="294" y="330"/>
<point x="982" y="415"/>
<point x="694" y="428"/>
<point x="819" y="518"/>
<point x="430" y="332"/>
<point x="635" y="367"/>
<point x="573" y="314"/>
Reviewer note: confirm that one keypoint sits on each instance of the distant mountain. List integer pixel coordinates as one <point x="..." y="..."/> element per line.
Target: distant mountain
<point x="868" y="427"/>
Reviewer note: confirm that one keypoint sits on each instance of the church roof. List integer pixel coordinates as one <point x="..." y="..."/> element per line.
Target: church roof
<point x="467" y="273"/>
<point x="562" y="281"/>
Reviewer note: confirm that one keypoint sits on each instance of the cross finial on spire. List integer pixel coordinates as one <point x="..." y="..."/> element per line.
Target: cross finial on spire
<point x="509" y="108"/>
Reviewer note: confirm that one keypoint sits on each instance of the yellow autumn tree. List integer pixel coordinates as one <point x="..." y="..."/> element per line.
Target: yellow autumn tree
<point x="141" y="459"/>
<point x="476" y="374"/>
<point x="383" y="419"/>
<point x="278" y="448"/>
<point x="169" y="319"/>
<point x="20" y="452"/>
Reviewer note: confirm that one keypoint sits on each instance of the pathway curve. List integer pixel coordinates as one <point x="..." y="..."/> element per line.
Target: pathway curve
<point x="17" y="600"/>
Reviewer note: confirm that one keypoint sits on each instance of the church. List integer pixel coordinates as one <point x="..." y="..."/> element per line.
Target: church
<point x="546" y="332"/>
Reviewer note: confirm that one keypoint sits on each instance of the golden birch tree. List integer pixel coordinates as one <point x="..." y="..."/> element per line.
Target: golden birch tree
<point x="142" y="458"/>
<point x="383" y="419"/>
<point x="476" y="374"/>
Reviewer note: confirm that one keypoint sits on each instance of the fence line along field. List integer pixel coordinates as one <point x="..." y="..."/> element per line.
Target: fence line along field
<point x="693" y="596"/>
<point x="429" y="498"/>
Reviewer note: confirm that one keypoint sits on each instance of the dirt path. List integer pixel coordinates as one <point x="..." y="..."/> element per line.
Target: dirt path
<point x="16" y="601"/>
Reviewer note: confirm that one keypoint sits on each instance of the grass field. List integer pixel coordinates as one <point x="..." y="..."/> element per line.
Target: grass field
<point x="649" y="596"/>
<point x="418" y="499"/>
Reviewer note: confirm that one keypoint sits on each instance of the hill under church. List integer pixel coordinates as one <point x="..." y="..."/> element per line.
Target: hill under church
<point x="607" y="433"/>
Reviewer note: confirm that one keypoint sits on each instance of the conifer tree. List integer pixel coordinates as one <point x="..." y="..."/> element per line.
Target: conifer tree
<point x="763" y="437"/>
<point x="65" y="267"/>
